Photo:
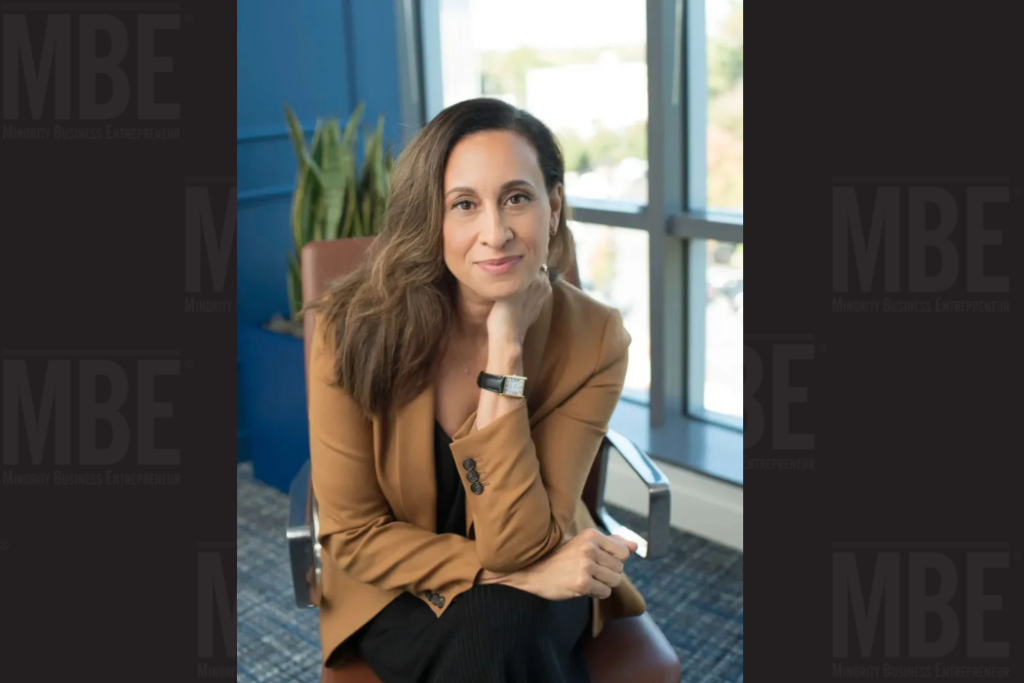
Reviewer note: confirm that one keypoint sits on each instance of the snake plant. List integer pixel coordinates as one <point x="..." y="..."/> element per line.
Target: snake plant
<point x="332" y="198"/>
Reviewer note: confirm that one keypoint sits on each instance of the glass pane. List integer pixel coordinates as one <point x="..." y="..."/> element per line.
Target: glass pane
<point x="580" y="66"/>
<point x="613" y="264"/>
<point x="724" y="42"/>
<point x="723" y="348"/>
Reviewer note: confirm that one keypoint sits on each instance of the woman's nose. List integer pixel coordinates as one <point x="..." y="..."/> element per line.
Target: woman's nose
<point x="495" y="233"/>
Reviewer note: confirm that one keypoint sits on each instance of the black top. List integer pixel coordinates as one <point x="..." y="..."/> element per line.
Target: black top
<point x="451" y="496"/>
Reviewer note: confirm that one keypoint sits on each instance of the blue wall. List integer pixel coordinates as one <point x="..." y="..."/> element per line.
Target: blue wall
<point x="322" y="57"/>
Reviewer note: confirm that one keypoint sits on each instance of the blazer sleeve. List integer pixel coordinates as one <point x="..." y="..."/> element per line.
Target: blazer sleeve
<point x="534" y="480"/>
<point x="357" y="527"/>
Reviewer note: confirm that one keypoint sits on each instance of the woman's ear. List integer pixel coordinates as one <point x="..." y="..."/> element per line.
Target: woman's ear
<point x="556" y="205"/>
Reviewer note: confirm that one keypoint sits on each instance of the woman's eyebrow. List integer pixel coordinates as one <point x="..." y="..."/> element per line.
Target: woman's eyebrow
<point x="504" y="187"/>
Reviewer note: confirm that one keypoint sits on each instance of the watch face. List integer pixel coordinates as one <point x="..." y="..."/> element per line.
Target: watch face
<point x="514" y="386"/>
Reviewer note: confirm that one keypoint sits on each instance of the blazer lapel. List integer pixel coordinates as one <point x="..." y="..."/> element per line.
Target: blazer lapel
<point x="414" y="453"/>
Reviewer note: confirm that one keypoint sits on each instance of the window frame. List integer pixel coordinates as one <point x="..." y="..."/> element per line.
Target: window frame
<point x="698" y="223"/>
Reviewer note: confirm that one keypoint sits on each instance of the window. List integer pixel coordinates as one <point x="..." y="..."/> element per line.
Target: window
<point x="724" y="43"/>
<point x="716" y="323"/>
<point x="657" y="200"/>
<point x="578" y="65"/>
<point x="714" y="179"/>
<point x="612" y="262"/>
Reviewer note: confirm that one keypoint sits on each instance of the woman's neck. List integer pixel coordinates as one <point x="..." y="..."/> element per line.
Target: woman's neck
<point x="471" y="312"/>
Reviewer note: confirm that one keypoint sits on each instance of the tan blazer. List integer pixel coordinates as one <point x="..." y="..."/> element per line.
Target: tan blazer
<point x="374" y="480"/>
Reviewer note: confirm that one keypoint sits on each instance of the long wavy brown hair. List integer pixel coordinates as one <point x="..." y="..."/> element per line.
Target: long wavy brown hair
<point x="389" y="319"/>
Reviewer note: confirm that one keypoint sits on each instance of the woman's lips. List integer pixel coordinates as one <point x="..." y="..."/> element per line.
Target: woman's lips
<point x="500" y="268"/>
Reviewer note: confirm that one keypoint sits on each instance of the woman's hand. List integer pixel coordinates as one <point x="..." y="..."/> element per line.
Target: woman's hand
<point x="589" y="564"/>
<point x="512" y="316"/>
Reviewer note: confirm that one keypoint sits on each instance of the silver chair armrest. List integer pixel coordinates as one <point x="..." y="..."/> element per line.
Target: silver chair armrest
<point x="660" y="498"/>
<point x="303" y="546"/>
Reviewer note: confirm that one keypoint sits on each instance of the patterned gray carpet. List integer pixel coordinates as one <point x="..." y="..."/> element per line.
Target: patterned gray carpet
<point x="695" y="594"/>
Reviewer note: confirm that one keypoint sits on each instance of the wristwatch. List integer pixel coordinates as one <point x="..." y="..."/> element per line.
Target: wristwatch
<point x="506" y="385"/>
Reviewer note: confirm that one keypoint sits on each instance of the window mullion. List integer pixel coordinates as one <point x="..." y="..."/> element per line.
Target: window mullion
<point x="665" y="179"/>
<point x="695" y="76"/>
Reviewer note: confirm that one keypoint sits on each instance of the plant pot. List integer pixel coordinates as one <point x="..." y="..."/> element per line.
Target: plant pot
<point x="274" y="403"/>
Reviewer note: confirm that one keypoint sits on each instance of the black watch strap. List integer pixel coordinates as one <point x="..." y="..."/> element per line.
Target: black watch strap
<point x="494" y="383"/>
<point x="513" y="386"/>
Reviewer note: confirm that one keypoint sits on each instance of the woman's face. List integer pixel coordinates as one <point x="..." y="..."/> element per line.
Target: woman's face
<point x="496" y="206"/>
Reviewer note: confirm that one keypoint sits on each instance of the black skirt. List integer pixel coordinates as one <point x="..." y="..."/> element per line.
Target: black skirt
<point x="489" y="634"/>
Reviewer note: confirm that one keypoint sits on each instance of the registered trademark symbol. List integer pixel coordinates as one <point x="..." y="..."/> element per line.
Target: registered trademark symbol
<point x="188" y="18"/>
<point x="188" y="363"/>
<point x="823" y="348"/>
<point x="1017" y="556"/>
<point x="4" y="545"/>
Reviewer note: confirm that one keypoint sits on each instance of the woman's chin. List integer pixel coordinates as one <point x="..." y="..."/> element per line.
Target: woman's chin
<point x="499" y="290"/>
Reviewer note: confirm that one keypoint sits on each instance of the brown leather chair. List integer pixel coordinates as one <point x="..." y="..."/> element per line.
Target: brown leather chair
<point x="630" y="650"/>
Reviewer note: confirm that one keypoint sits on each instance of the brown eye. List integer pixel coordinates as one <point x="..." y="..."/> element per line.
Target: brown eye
<point x="464" y="201"/>
<point x="520" y="194"/>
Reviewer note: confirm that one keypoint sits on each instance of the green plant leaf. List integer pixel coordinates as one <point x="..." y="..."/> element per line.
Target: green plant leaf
<point x="313" y="180"/>
<point x="300" y="211"/>
<point x="379" y="169"/>
<point x="303" y="194"/>
<point x="316" y="144"/>
<point x="319" y="216"/>
<point x="334" y="173"/>
<point x="366" y="213"/>
<point x="352" y="127"/>
<point x="294" y="286"/>
<point x="336" y="195"/>
<point x="387" y="179"/>
<point x="296" y="134"/>
<point x="346" y="220"/>
<point x="357" y="224"/>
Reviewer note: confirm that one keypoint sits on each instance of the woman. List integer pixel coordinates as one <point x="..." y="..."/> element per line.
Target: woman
<point x="458" y="393"/>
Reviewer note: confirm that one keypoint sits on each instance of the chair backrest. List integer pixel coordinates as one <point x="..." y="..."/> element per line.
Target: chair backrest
<point x="326" y="261"/>
<point x="321" y="263"/>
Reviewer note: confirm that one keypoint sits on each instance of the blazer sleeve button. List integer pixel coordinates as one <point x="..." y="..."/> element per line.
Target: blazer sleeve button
<point x="472" y="476"/>
<point x="477" y="488"/>
<point x="439" y="601"/>
<point x="469" y="464"/>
